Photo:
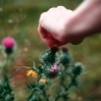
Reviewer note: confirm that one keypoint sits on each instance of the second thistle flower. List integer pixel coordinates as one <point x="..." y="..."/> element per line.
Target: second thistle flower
<point x="8" y="44"/>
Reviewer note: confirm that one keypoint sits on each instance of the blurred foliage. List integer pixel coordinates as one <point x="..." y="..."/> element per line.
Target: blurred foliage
<point x="19" y="19"/>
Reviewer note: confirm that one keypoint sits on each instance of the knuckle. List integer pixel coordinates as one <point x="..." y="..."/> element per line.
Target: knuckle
<point x="52" y="9"/>
<point x="61" y="7"/>
<point x="42" y="17"/>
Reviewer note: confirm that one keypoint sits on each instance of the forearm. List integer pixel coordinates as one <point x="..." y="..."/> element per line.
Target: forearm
<point x="86" y="19"/>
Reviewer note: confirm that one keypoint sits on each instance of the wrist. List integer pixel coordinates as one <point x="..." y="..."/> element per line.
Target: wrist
<point x="74" y="33"/>
<point x="83" y="22"/>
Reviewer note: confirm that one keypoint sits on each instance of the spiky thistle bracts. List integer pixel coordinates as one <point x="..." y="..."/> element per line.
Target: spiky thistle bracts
<point x="49" y="56"/>
<point x="53" y="63"/>
<point x="64" y="58"/>
<point x="6" y="92"/>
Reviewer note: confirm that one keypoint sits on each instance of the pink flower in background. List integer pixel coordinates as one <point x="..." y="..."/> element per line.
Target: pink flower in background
<point x="8" y="42"/>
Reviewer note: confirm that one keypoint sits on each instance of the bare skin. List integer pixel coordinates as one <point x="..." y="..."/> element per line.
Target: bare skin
<point x="59" y="26"/>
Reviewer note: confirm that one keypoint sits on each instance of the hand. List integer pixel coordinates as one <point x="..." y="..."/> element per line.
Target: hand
<point x="52" y="26"/>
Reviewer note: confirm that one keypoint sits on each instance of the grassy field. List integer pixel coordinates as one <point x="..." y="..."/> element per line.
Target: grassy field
<point x="19" y="19"/>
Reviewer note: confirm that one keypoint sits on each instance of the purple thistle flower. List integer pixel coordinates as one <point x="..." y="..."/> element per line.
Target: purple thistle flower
<point x="53" y="71"/>
<point x="78" y="68"/>
<point x="8" y="44"/>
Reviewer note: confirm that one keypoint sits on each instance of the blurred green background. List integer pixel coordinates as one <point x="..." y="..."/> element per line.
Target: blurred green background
<point x="19" y="19"/>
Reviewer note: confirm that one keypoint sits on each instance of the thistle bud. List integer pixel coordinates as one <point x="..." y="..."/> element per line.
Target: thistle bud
<point x="77" y="68"/>
<point x="64" y="49"/>
<point x="8" y="45"/>
<point x="64" y="58"/>
<point x="48" y="57"/>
